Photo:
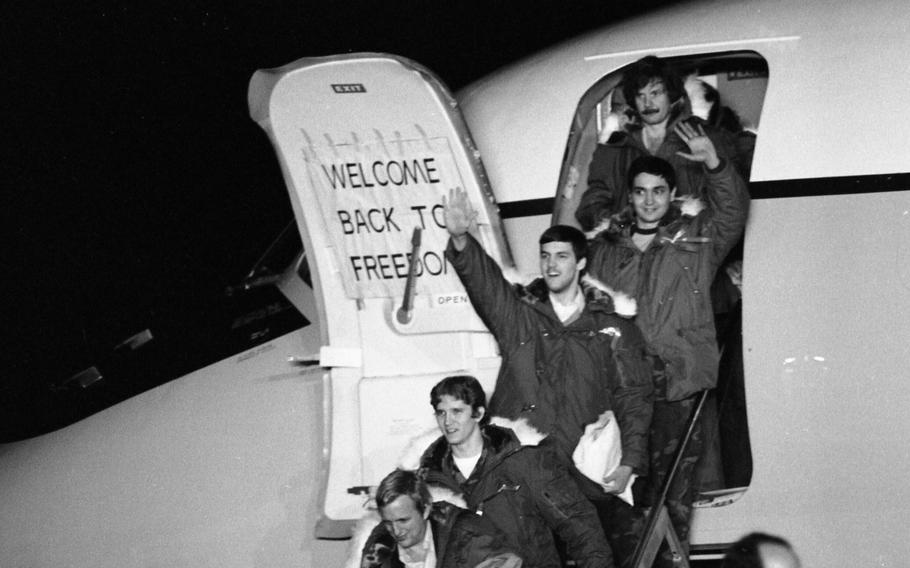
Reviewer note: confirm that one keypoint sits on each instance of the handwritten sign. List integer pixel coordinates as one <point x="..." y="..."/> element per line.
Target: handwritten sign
<point x="372" y="196"/>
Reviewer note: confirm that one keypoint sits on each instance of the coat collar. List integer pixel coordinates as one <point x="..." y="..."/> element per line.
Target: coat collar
<point x="500" y="440"/>
<point x="678" y="217"/>
<point x="598" y="296"/>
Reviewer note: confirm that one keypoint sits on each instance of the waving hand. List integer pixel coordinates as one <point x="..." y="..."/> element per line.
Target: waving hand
<point x="459" y="215"/>
<point x="701" y="149"/>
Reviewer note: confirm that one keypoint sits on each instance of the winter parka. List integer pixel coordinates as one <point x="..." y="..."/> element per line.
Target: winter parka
<point x="671" y="280"/>
<point x="557" y="377"/>
<point x="528" y="493"/>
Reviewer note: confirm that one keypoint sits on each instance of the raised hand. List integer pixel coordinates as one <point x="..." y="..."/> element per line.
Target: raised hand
<point x="701" y="149"/>
<point x="458" y="214"/>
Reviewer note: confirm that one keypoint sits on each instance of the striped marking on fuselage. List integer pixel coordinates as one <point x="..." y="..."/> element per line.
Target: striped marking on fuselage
<point x="777" y="189"/>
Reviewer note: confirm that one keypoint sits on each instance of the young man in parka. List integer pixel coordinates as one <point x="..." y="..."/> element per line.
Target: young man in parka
<point x="512" y="478"/>
<point x="568" y="355"/>
<point x="667" y="257"/>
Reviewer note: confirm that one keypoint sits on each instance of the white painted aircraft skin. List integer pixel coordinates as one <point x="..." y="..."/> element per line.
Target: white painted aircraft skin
<point x="826" y="281"/>
<point x="226" y="466"/>
<point x="219" y="468"/>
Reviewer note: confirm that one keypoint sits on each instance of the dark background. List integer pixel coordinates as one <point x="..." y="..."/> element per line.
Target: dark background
<point x="136" y="189"/>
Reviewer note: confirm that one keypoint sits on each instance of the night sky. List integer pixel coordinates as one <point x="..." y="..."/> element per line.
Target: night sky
<point x="136" y="188"/>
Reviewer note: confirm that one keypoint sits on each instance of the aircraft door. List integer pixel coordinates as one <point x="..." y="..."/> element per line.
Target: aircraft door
<point x="369" y="144"/>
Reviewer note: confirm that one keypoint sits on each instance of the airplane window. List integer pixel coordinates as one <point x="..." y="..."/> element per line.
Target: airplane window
<point x="726" y="91"/>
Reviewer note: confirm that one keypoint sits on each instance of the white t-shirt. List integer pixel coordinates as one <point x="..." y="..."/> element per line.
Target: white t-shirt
<point x="565" y="312"/>
<point x="466" y="465"/>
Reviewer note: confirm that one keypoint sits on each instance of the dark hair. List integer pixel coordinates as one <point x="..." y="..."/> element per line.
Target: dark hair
<point x="647" y="69"/>
<point x="720" y="116"/>
<point x="712" y="96"/>
<point x="651" y="165"/>
<point x="567" y="234"/>
<point x="403" y="482"/>
<point x="726" y="118"/>
<point x="464" y="388"/>
<point x="745" y="553"/>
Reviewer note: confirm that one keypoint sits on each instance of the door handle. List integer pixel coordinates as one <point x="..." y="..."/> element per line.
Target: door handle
<point x="406" y="311"/>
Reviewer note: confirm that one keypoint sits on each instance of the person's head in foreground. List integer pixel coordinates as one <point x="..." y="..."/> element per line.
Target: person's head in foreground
<point x="760" y="550"/>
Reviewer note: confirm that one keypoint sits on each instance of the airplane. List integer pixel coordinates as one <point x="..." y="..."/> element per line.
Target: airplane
<point x="267" y="457"/>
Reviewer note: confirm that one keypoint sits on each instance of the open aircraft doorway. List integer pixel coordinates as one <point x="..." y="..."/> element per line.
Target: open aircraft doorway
<point x="726" y="92"/>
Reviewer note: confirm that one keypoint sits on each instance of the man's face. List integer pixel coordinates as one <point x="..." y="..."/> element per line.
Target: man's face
<point x="653" y="103"/>
<point x="651" y="197"/>
<point x="456" y="421"/>
<point x="404" y="521"/>
<point x="558" y="266"/>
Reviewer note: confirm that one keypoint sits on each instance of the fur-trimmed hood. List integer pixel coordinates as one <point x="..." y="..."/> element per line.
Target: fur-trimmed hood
<point x="502" y="437"/>
<point x="618" y="227"/>
<point x="425" y="442"/>
<point x="597" y="294"/>
<point x="623" y="304"/>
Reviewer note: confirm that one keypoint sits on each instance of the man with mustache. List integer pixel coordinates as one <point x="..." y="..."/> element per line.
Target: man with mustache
<point x="657" y="96"/>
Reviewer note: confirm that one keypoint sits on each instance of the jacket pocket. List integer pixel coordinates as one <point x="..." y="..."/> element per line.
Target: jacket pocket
<point x="694" y="361"/>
